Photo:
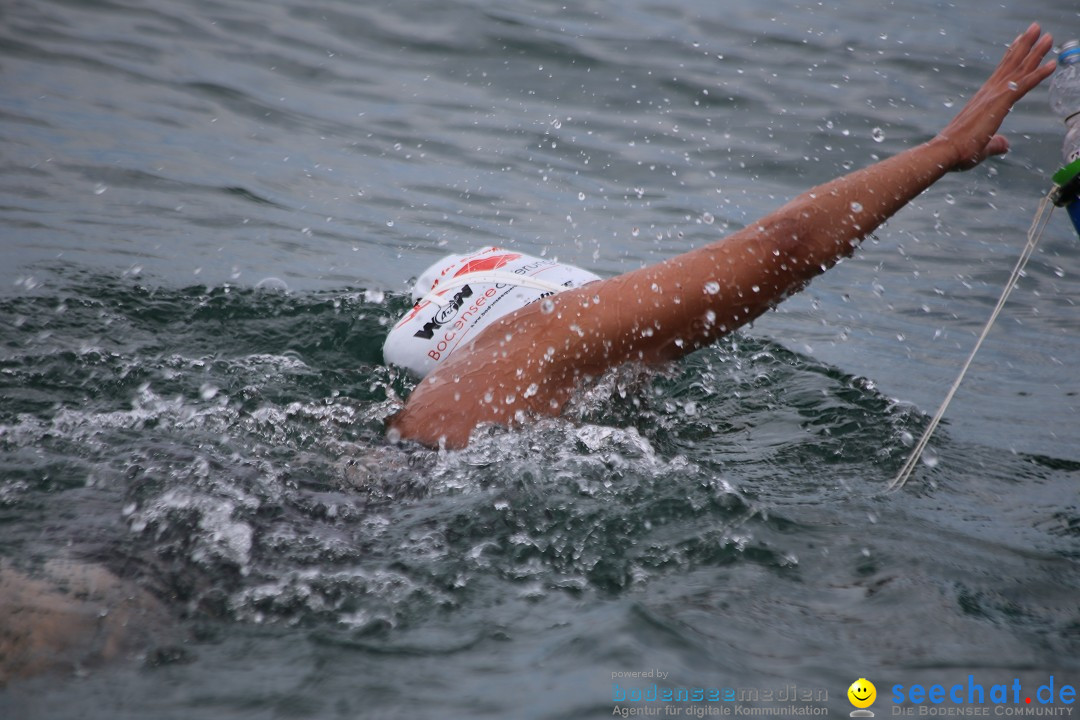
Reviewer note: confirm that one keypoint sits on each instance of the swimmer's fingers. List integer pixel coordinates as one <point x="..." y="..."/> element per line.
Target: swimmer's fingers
<point x="972" y="133"/>
<point x="1022" y="68"/>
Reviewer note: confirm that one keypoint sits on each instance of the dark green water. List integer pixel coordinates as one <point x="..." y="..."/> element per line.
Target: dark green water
<point x="210" y="213"/>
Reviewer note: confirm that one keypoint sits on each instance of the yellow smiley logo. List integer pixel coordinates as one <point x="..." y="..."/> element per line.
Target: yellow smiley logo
<point x="862" y="693"/>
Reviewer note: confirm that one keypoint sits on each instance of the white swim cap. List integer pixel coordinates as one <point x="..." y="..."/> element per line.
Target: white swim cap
<point x="460" y="295"/>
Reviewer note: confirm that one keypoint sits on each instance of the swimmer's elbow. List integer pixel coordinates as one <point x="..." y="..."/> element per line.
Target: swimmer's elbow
<point x="807" y="241"/>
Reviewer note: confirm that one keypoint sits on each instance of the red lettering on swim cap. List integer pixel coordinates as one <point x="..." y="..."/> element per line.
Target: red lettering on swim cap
<point x="488" y="263"/>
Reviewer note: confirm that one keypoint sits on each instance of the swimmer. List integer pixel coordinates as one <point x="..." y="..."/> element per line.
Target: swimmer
<point x="70" y="615"/>
<point x="530" y="357"/>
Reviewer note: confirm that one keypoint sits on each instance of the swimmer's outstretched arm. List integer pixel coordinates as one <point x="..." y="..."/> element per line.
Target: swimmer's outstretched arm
<point x="760" y="265"/>
<point x="530" y="361"/>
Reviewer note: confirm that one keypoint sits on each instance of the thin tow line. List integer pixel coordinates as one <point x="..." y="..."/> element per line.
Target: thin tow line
<point x="1038" y="224"/>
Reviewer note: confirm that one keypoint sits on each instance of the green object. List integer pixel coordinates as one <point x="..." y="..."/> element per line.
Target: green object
<point x="1067" y="180"/>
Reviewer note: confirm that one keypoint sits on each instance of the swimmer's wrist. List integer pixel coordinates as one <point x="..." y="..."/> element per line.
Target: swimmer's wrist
<point x="951" y="157"/>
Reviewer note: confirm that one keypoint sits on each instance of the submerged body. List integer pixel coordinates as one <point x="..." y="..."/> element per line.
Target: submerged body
<point x="529" y="362"/>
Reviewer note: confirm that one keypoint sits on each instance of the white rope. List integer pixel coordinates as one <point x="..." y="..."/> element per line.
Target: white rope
<point x="1042" y="217"/>
<point x="489" y="277"/>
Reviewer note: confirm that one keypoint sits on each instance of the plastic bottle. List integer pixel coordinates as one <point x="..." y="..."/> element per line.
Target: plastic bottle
<point x="1065" y="102"/>
<point x="1065" y="97"/>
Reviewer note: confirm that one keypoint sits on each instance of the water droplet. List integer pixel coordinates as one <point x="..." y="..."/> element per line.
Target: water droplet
<point x="1013" y="85"/>
<point x="878" y="134"/>
<point x="856" y="207"/>
<point x="531" y="390"/>
<point x="690" y="408"/>
<point x="949" y="102"/>
<point x="208" y="391"/>
<point x="635" y="232"/>
<point x="374" y="296"/>
<point x="712" y="287"/>
<point x="272" y="283"/>
<point x="708" y="218"/>
<point x="100" y="188"/>
<point x="547" y="306"/>
<point x="929" y="459"/>
<point x="581" y="196"/>
<point x="389" y="223"/>
<point x="29" y="282"/>
<point x="710" y="317"/>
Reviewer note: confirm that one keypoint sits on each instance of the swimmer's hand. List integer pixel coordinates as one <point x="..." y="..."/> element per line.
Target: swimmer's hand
<point x="972" y="133"/>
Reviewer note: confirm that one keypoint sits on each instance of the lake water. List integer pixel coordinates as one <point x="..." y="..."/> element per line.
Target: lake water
<point x="211" y="211"/>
